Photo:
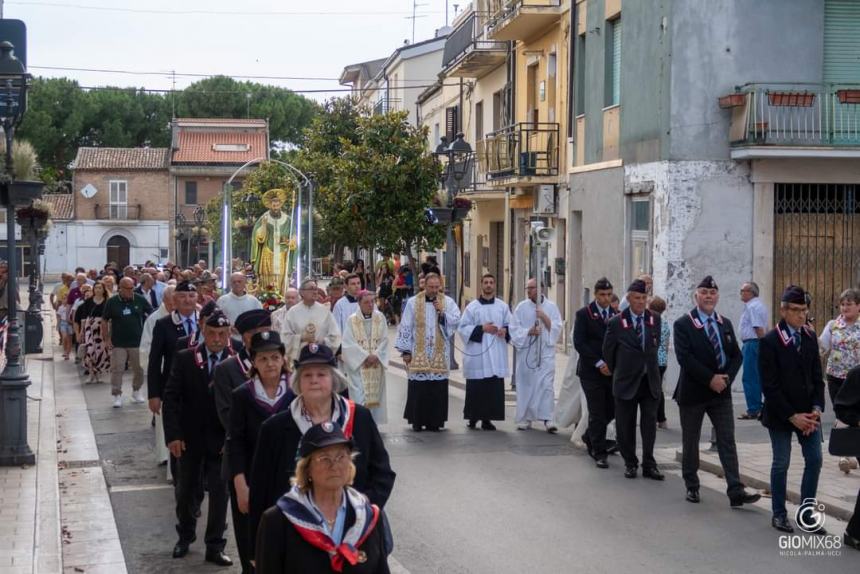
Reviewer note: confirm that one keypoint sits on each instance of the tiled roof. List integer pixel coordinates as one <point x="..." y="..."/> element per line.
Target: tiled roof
<point x="219" y="146"/>
<point x="250" y="122"/>
<point x="62" y="205"/>
<point x="122" y="158"/>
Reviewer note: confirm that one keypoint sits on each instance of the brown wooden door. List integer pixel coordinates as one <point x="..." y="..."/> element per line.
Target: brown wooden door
<point x="118" y="250"/>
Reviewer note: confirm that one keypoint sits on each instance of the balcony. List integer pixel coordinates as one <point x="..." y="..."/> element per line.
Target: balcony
<point x="469" y="55"/>
<point x="121" y="212"/>
<point x="521" y="154"/>
<point x="522" y="19"/>
<point x="386" y="105"/>
<point x="794" y="120"/>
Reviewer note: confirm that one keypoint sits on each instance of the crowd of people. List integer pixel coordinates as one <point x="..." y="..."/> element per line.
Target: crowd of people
<point x="276" y="414"/>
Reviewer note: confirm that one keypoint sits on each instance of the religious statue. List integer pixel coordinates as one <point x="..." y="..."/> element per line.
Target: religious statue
<point x="273" y="241"/>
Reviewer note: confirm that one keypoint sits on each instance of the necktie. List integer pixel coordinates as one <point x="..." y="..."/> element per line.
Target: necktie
<point x="189" y="327"/>
<point x="715" y="341"/>
<point x="640" y="331"/>
<point x="796" y="338"/>
<point x="152" y="298"/>
<point x="213" y="362"/>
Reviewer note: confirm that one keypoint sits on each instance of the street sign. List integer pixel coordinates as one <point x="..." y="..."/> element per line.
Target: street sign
<point x="15" y="32"/>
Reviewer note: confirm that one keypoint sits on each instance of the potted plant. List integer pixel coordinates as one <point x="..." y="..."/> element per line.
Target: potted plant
<point x="732" y="100"/>
<point x="462" y="206"/>
<point x="848" y="96"/>
<point x="34" y="217"/>
<point x="791" y="99"/>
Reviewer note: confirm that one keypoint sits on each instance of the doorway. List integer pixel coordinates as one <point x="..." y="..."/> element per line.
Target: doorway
<point x="118" y="249"/>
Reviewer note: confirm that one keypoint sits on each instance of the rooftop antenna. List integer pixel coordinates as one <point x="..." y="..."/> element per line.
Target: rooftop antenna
<point x="173" y="94"/>
<point x="415" y="16"/>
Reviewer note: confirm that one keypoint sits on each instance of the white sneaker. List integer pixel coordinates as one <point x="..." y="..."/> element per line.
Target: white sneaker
<point x="524" y="426"/>
<point x="550" y="427"/>
<point x="137" y="398"/>
<point x="117" y="402"/>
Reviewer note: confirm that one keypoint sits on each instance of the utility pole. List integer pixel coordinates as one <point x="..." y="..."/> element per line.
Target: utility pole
<point x="172" y="93"/>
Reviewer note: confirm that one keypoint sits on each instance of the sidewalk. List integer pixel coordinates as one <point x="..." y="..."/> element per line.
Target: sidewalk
<point x="836" y="490"/>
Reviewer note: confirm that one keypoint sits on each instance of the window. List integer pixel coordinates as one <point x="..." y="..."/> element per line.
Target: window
<point x="640" y="236"/>
<point x="579" y="72"/>
<point x="436" y="135"/>
<point x="118" y="199"/>
<point x="2" y="216"/>
<point x="479" y="121"/>
<point x="497" y="110"/>
<point x="190" y="193"/>
<point x="452" y="122"/>
<point x="613" y="63"/>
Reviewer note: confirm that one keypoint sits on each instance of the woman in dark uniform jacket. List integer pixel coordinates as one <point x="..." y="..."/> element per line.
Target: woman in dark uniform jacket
<point x="322" y="524"/>
<point x="267" y="393"/>
<point x="316" y="382"/>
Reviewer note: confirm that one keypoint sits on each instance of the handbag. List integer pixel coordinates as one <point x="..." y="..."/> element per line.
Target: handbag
<point x="844" y="441"/>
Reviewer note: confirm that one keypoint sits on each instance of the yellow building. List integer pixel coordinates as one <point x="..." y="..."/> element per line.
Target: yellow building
<point x="504" y="85"/>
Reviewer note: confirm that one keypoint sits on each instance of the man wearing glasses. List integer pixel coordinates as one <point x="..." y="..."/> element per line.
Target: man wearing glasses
<point x="752" y="327"/>
<point x="793" y="387"/>
<point x="309" y="322"/>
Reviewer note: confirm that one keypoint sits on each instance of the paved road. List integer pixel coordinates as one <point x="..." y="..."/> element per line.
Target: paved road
<point x="483" y="502"/>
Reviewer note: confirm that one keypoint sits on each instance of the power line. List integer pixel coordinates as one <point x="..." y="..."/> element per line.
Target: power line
<point x="226" y="92"/>
<point x="207" y="12"/>
<point x="178" y="74"/>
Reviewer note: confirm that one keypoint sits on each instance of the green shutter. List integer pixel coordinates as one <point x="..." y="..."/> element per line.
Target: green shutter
<point x="842" y="41"/>
<point x="616" y="62"/>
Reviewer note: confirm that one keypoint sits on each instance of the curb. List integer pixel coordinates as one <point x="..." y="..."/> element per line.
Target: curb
<point x="793" y="496"/>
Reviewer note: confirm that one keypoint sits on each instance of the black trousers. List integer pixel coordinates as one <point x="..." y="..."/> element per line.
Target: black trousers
<point x="241" y="529"/>
<point x="601" y="411"/>
<point x="722" y="416"/>
<point x="625" y="426"/>
<point x="661" y="407"/>
<point x="853" y="528"/>
<point x="190" y="466"/>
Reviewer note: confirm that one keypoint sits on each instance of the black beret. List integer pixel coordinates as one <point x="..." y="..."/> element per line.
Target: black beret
<point x="796" y="295"/>
<point x="707" y="283"/>
<point x="218" y="319"/>
<point x="320" y="436"/>
<point x="186" y="287"/>
<point x="266" y="341"/>
<point x="638" y="286"/>
<point x="602" y="284"/>
<point x="253" y="319"/>
<point x="209" y="308"/>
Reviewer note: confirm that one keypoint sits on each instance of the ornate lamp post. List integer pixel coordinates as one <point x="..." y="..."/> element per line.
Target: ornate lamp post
<point x="199" y="231"/>
<point x="14" y="450"/>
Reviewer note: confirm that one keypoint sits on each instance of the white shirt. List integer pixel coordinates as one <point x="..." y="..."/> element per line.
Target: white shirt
<point x="234" y="305"/>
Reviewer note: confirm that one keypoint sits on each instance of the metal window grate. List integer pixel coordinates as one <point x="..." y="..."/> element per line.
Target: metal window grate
<point x="815" y="232"/>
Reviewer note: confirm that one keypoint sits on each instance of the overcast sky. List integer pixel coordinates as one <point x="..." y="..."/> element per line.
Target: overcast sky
<point x="313" y="39"/>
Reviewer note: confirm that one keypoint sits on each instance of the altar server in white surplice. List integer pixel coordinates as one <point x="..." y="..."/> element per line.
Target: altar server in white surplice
<point x="365" y="356"/>
<point x="535" y="329"/>
<point x="484" y="330"/>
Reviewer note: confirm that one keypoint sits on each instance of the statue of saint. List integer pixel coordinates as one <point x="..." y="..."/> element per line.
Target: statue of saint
<point x="273" y="242"/>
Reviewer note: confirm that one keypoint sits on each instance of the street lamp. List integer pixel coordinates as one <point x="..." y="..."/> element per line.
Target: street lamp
<point x="14" y="450"/>
<point x="199" y="231"/>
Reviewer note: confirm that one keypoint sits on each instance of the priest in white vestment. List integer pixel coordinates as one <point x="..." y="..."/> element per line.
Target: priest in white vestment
<point x="365" y="356"/>
<point x="484" y="330"/>
<point x="429" y="321"/>
<point x="535" y="329"/>
<point x="165" y="309"/>
<point x="348" y="304"/>
<point x="309" y="322"/>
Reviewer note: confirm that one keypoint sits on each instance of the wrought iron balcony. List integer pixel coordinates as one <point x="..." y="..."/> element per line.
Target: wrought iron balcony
<point x="772" y="120"/>
<point x="521" y="19"/>
<point x="468" y="54"/>
<point x="386" y="105"/>
<point x="122" y="212"/>
<point x="523" y="150"/>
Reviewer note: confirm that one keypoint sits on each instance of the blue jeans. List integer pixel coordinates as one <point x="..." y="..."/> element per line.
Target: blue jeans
<point x="780" y="441"/>
<point x="752" y="383"/>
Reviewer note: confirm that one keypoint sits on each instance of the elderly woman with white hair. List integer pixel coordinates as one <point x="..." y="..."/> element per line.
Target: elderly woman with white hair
<point x="316" y="381"/>
<point x="322" y="524"/>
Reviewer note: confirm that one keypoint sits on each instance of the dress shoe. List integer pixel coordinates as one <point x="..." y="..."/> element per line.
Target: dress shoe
<point x="693" y="495"/>
<point x="611" y="447"/>
<point x="524" y="425"/>
<point x="586" y="440"/>
<point x="781" y="523"/>
<point x="601" y="463"/>
<point x="653" y="473"/>
<point x="434" y="429"/>
<point x="472" y="424"/>
<point x="550" y="427"/>
<point x="819" y="532"/>
<point x="218" y="558"/>
<point x="849" y="540"/>
<point x="744" y="498"/>
<point x="416" y="428"/>
<point x="630" y="472"/>
<point x="181" y="549"/>
<point x="487" y="425"/>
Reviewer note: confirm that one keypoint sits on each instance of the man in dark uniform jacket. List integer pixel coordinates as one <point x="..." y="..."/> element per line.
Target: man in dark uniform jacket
<point x="708" y="353"/>
<point x="589" y="329"/>
<point x="196" y="337"/>
<point x="196" y="438"/>
<point x="793" y="387"/>
<point x="630" y="352"/>
<point x="230" y="374"/>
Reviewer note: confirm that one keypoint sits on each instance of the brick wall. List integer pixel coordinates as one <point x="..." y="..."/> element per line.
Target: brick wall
<point x="150" y="189"/>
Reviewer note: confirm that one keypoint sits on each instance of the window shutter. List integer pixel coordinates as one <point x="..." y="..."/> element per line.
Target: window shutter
<point x="841" y="41"/>
<point x="452" y="122"/>
<point x="616" y="62"/>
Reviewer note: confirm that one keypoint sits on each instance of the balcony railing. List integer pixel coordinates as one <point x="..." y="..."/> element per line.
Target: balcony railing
<point x="121" y="212"/>
<point x="521" y="19"/>
<point x="468" y="54"/>
<point x="811" y="115"/>
<point x="386" y="105"/>
<point x="520" y="150"/>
